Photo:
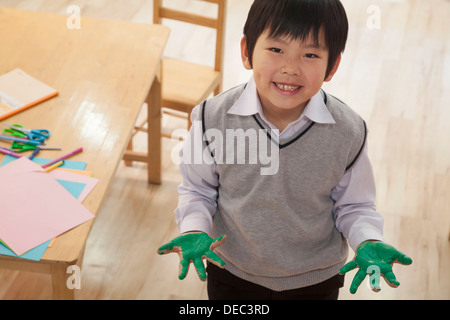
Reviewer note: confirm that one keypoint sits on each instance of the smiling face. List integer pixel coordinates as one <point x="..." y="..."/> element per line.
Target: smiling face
<point x="287" y="72"/>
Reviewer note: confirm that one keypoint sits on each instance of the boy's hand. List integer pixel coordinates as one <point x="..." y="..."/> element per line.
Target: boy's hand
<point x="194" y="247"/>
<point x="375" y="258"/>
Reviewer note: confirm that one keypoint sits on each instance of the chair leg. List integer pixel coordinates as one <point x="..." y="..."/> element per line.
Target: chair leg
<point x="218" y="89"/>
<point x="129" y="163"/>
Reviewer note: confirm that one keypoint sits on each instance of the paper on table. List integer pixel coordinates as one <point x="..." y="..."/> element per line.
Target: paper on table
<point x="82" y="172"/>
<point x="19" y="91"/>
<point x="34" y="254"/>
<point x="71" y="171"/>
<point x="78" y="189"/>
<point x="35" y="207"/>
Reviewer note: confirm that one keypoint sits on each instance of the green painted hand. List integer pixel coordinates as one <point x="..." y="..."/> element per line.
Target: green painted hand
<point x="194" y="247"/>
<point x="375" y="259"/>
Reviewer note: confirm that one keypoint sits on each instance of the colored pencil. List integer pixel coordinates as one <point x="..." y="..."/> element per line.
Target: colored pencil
<point x="62" y="158"/>
<point x="11" y="138"/>
<point x="10" y="153"/>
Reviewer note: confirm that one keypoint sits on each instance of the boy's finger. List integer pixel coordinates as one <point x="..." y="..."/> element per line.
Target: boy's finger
<point x="347" y="267"/>
<point x="218" y="241"/>
<point x="391" y="279"/>
<point x="215" y="259"/>
<point x="359" y="277"/>
<point x="403" y="259"/>
<point x="166" y="248"/>
<point x="184" y="268"/>
<point x="198" y="263"/>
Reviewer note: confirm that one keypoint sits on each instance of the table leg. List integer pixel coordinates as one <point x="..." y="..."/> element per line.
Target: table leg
<point x="153" y="155"/>
<point x="154" y="130"/>
<point x="59" y="283"/>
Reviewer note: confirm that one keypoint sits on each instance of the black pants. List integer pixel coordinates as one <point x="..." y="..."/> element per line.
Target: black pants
<point x="222" y="285"/>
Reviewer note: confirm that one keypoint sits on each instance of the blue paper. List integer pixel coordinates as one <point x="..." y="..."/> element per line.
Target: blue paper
<point x="34" y="254"/>
<point x="68" y="164"/>
<point x="75" y="188"/>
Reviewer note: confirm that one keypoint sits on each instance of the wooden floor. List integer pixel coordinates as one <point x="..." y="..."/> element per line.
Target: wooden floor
<point x="395" y="73"/>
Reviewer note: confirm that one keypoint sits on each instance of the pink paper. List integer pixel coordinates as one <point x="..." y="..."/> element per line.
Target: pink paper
<point x="34" y="207"/>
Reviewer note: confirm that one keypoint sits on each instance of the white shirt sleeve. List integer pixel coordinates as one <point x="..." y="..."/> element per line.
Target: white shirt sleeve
<point x="354" y="209"/>
<point x="197" y="194"/>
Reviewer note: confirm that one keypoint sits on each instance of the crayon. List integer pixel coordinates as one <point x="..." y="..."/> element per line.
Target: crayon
<point x="54" y="166"/>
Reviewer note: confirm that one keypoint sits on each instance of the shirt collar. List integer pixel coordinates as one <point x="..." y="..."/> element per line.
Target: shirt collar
<point x="249" y="104"/>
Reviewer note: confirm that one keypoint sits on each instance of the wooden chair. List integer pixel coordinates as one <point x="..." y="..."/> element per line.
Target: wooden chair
<point x="186" y="84"/>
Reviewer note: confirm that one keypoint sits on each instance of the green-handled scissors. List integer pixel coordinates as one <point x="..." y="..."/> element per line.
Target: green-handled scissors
<point x="22" y="147"/>
<point x="14" y="133"/>
<point x="33" y="134"/>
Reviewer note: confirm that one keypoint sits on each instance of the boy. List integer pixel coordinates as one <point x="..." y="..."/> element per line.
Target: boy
<point x="286" y="228"/>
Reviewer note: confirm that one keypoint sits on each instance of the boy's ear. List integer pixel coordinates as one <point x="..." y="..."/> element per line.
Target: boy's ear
<point x="244" y="54"/>
<point x="335" y="68"/>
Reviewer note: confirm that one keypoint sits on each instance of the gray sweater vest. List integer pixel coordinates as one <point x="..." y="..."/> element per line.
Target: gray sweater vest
<point x="279" y="224"/>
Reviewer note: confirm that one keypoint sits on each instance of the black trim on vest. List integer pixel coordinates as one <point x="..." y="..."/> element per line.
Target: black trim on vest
<point x="203" y="118"/>
<point x="204" y="128"/>
<point x="262" y="127"/>
<point x="281" y="146"/>
<point x="360" y="150"/>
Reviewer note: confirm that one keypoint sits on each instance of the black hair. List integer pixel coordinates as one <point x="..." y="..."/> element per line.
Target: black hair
<point x="296" y="19"/>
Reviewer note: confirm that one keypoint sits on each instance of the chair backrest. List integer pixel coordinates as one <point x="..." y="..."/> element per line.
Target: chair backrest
<point x="218" y="23"/>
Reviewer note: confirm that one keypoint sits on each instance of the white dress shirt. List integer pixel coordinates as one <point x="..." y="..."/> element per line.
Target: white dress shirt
<point x="354" y="208"/>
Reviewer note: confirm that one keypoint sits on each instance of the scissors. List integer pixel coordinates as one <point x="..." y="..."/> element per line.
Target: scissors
<point x="22" y="147"/>
<point x="33" y="134"/>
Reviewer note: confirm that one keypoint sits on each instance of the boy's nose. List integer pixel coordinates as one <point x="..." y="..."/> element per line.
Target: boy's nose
<point x="291" y="68"/>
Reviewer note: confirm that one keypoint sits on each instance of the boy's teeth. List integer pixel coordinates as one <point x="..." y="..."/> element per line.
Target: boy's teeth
<point x="287" y="87"/>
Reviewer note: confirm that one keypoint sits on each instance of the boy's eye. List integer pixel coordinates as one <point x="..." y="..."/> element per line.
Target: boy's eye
<point x="276" y="50"/>
<point x="311" y="55"/>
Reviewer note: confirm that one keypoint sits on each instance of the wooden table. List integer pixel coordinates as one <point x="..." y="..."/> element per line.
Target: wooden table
<point x="104" y="72"/>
